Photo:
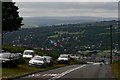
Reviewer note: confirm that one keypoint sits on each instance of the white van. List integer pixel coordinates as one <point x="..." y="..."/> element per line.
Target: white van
<point x="64" y="58"/>
<point x="28" y="54"/>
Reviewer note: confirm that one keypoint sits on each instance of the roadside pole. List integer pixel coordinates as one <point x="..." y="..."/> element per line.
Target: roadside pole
<point x="110" y="44"/>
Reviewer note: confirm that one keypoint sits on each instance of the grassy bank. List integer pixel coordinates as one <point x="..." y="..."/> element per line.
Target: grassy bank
<point x="23" y="69"/>
<point x="115" y="69"/>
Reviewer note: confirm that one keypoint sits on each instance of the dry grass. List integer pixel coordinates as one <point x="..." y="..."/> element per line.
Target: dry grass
<point x="116" y="69"/>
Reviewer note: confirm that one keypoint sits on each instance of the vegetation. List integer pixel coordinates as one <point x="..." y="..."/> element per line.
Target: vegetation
<point x="10" y="17"/>
<point x="68" y="37"/>
<point x="53" y="54"/>
<point x="24" y="69"/>
<point x="116" y="69"/>
<point x="74" y="61"/>
<point x="14" y="49"/>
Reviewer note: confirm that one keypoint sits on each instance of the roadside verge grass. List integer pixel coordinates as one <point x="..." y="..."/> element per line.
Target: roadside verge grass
<point x="23" y="70"/>
<point x="116" y="69"/>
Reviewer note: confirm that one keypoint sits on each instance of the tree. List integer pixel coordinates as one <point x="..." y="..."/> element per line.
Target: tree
<point x="11" y="21"/>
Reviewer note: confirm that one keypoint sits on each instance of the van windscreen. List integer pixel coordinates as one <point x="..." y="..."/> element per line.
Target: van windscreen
<point x="28" y="53"/>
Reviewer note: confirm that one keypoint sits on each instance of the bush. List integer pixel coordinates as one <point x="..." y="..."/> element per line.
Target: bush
<point x="55" y="62"/>
<point x="11" y="63"/>
<point x="13" y="49"/>
<point x="117" y="61"/>
<point x="74" y="61"/>
<point x="14" y="63"/>
<point x="22" y="61"/>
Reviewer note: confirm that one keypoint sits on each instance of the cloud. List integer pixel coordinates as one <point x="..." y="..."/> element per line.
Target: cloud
<point x="66" y="0"/>
<point x="100" y="9"/>
<point x="66" y="5"/>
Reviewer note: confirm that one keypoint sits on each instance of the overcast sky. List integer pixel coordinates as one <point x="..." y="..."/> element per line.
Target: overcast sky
<point x="66" y="9"/>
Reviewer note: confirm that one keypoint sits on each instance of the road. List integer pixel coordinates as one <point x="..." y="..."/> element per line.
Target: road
<point x="74" y="72"/>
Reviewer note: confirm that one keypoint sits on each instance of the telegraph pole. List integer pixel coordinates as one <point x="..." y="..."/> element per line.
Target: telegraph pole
<point x="110" y="44"/>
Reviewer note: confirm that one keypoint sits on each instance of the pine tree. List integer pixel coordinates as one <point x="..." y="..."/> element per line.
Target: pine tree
<point x="11" y="21"/>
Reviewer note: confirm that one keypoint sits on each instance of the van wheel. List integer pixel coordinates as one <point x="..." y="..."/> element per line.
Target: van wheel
<point x="29" y="65"/>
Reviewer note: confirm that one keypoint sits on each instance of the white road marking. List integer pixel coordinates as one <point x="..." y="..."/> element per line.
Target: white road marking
<point x="96" y="63"/>
<point x="49" y="74"/>
<point x="35" y="75"/>
<point x="66" y="72"/>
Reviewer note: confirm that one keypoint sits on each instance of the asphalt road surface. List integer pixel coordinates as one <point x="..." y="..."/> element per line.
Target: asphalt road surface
<point x="93" y="71"/>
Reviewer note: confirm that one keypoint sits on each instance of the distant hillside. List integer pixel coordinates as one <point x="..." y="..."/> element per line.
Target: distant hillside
<point x="66" y="37"/>
<point x="45" y="21"/>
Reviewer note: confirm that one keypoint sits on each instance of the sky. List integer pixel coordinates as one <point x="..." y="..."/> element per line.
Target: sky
<point x="52" y="8"/>
<point x="65" y="0"/>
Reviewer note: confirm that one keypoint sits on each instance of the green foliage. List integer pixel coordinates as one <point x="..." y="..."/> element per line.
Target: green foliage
<point x="53" y="54"/>
<point x="72" y="37"/>
<point x="22" y="61"/>
<point x="115" y="69"/>
<point x="15" y="63"/>
<point x="117" y="62"/>
<point x="14" y="49"/>
<point x="10" y="17"/>
<point x="74" y="61"/>
<point x="40" y="52"/>
<point x="24" y="69"/>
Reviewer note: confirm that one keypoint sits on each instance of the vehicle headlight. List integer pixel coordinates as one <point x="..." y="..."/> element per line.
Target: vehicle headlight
<point x="30" y="62"/>
<point x="3" y="61"/>
<point x="58" y="59"/>
<point x="67" y="59"/>
<point x="41" y="63"/>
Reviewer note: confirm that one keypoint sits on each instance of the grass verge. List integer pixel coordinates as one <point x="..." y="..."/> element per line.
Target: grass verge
<point x="23" y="69"/>
<point x="115" y="69"/>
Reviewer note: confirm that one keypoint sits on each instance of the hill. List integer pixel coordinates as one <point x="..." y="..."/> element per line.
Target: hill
<point x="66" y="37"/>
<point x="46" y="21"/>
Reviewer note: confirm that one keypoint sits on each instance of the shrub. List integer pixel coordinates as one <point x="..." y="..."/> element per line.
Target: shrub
<point x="55" y="62"/>
<point x="74" y="61"/>
<point x="22" y="61"/>
<point x="14" y="63"/>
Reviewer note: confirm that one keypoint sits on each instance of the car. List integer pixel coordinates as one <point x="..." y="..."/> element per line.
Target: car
<point x="64" y="58"/>
<point x="101" y="62"/>
<point x="1" y="51"/>
<point x="38" y="61"/>
<point x="8" y="59"/>
<point x="49" y="60"/>
<point x="28" y="54"/>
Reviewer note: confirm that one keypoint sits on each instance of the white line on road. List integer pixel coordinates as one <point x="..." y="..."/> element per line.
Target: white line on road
<point x="66" y="72"/>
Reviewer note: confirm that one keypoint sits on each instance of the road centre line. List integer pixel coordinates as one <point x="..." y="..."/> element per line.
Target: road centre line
<point x="66" y="72"/>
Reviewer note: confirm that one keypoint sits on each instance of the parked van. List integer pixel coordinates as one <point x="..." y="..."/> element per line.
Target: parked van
<point x="64" y="58"/>
<point x="28" y="54"/>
